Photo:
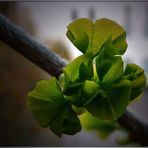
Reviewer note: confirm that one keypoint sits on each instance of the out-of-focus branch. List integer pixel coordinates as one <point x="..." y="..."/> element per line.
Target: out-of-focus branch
<point x="138" y="131"/>
<point x="37" y="53"/>
<point x="33" y="50"/>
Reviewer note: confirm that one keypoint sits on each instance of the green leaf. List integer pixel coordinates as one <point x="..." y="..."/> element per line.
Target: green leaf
<point x="44" y="101"/>
<point x="133" y="68"/>
<point x="115" y="72"/>
<point x="136" y="75"/>
<point x="80" y="33"/>
<point x="102" y="127"/>
<point x="76" y="99"/>
<point x="77" y="68"/>
<point x="76" y="72"/>
<point x="119" y="95"/>
<point x="50" y="109"/>
<point x="139" y="82"/>
<point x="65" y="121"/>
<point x="104" y="29"/>
<point x="78" y="110"/>
<point x="109" y="67"/>
<point x="89" y="89"/>
<point x="83" y="94"/>
<point x="86" y="71"/>
<point x="72" y="87"/>
<point x="62" y="80"/>
<point x="68" y="86"/>
<point x="136" y="93"/>
<point x="110" y="104"/>
<point x="90" y="38"/>
<point x="95" y="77"/>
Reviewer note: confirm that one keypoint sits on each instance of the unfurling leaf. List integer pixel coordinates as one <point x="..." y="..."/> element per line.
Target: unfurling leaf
<point x="50" y="108"/>
<point x="110" y="104"/>
<point x="136" y="75"/>
<point x="81" y="66"/>
<point x="89" y="89"/>
<point x="102" y="127"/>
<point x="109" y="67"/>
<point x="76" y="73"/>
<point x="90" y="37"/>
<point x="114" y="73"/>
<point x="80" y="33"/>
<point x="76" y="99"/>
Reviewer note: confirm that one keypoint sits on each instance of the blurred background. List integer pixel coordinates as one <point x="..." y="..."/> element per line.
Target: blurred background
<point x="47" y="22"/>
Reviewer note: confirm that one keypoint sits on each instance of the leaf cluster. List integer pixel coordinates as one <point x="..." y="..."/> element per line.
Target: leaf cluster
<point x="95" y="82"/>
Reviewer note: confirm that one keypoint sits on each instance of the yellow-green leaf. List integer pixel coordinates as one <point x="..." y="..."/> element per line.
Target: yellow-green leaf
<point x="102" y="127"/>
<point x="90" y="37"/>
<point x="75" y="69"/>
<point x="109" y="104"/>
<point x="80" y="33"/>
<point x="136" y="75"/>
<point x="104" y="29"/>
<point x="51" y="110"/>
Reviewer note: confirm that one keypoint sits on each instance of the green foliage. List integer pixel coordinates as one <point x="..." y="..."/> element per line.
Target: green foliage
<point x="95" y="82"/>
<point x="90" y="37"/>
<point x="102" y="127"/>
<point x="136" y="75"/>
<point x="51" y="109"/>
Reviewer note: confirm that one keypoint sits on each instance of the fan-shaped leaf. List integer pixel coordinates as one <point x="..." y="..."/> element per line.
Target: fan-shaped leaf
<point x="90" y="37"/>
<point x="136" y="75"/>
<point x="80" y="33"/>
<point x="102" y="127"/>
<point x="110" y="104"/>
<point x="50" y="109"/>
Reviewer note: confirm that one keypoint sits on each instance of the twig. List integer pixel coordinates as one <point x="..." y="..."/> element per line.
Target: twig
<point x="26" y="45"/>
<point x="138" y="131"/>
<point x="37" y="53"/>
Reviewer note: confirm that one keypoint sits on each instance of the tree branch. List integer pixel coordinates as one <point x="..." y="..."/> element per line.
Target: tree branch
<point x="26" y="45"/>
<point x="138" y="131"/>
<point x="37" y="53"/>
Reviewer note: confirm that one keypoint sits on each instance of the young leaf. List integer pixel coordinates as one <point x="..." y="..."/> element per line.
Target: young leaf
<point x="76" y="72"/>
<point x="109" y="67"/>
<point x="50" y="109"/>
<point x="89" y="89"/>
<point x="76" y="99"/>
<point x="104" y="61"/>
<point x="44" y="100"/>
<point x="68" y="86"/>
<point x="72" y="87"/>
<point x="80" y="33"/>
<point x="119" y="95"/>
<point x="83" y="94"/>
<point x="90" y="38"/>
<point x="114" y="73"/>
<point x="102" y="127"/>
<point x="111" y="103"/>
<point x="136" y="75"/>
<point x="65" y="121"/>
<point x="75" y="69"/>
<point x="133" y="68"/>
<point x="78" y="110"/>
<point x="104" y="29"/>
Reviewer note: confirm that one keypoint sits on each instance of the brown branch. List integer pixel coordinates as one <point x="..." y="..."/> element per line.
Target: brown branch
<point x="37" y="53"/>
<point x="138" y="131"/>
<point x="26" y="45"/>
